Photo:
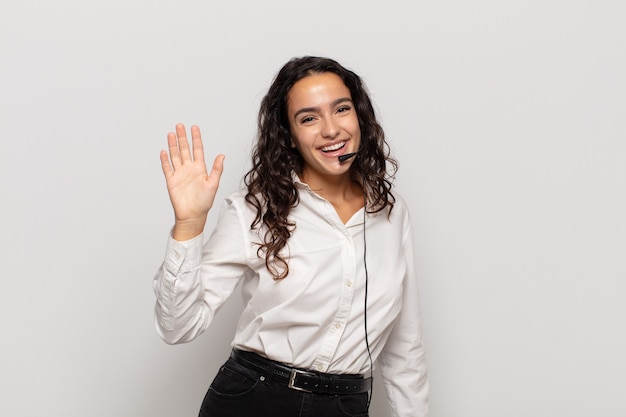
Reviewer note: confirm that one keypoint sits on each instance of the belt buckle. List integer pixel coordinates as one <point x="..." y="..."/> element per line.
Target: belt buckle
<point x="292" y="379"/>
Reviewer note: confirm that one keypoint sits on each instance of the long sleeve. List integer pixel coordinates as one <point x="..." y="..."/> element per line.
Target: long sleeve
<point x="402" y="361"/>
<point x="195" y="279"/>
<point x="315" y="316"/>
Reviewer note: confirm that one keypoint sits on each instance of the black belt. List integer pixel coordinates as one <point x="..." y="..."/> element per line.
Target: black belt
<point x="302" y="380"/>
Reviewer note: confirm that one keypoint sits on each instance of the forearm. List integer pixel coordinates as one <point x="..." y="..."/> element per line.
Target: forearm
<point x="195" y="278"/>
<point x="178" y="287"/>
<point x="406" y="382"/>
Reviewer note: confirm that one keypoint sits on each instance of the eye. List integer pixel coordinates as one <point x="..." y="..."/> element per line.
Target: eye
<point x="306" y="119"/>
<point x="343" y="109"/>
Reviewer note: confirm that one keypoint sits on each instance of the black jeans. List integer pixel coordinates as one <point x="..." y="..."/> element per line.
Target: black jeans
<point x="240" y="392"/>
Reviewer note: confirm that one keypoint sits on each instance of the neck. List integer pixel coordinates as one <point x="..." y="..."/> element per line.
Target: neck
<point x="336" y="189"/>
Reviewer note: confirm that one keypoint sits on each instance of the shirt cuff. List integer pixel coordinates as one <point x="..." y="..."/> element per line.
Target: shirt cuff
<point x="183" y="256"/>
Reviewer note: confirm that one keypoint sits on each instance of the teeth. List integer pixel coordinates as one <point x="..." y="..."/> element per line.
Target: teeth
<point x="333" y="147"/>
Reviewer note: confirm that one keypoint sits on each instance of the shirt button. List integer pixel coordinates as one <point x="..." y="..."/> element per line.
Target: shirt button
<point x="338" y="326"/>
<point x="176" y="255"/>
<point x="349" y="283"/>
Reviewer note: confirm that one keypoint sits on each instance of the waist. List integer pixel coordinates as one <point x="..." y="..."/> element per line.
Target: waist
<point x="303" y="379"/>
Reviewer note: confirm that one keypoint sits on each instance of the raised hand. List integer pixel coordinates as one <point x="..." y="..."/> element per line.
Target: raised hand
<point x="191" y="189"/>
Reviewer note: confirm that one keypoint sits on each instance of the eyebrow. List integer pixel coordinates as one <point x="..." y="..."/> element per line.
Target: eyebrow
<point x="317" y="109"/>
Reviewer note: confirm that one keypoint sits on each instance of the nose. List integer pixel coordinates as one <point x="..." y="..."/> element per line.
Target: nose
<point x="330" y="128"/>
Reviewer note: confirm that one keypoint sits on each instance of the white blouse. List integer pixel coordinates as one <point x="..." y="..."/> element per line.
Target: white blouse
<point x="314" y="318"/>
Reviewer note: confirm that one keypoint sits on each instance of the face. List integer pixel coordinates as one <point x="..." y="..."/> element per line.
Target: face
<point x="323" y="124"/>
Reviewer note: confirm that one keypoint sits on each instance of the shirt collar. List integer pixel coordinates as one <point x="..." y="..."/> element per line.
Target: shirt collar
<point x="305" y="187"/>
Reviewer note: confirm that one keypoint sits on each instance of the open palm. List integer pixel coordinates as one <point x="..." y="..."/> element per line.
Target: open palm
<point x="191" y="188"/>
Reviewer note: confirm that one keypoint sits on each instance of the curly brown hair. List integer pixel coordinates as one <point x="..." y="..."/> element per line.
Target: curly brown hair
<point x="271" y="189"/>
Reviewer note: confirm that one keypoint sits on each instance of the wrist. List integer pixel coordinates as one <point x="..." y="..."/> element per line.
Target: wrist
<point x="187" y="229"/>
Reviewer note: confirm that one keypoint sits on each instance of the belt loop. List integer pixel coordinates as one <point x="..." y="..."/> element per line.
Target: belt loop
<point x="269" y="378"/>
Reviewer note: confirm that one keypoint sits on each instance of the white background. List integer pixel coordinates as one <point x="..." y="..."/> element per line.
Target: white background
<point x="508" y="118"/>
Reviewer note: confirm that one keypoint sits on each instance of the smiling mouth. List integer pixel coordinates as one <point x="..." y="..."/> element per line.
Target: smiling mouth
<point x="334" y="147"/>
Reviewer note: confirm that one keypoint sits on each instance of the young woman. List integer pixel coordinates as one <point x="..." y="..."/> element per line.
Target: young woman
<point x="322" y="248"/>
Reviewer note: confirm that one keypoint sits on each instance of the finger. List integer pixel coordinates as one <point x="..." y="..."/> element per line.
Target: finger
<point x="183" y="145"/>
<point x="165" y="165"/>
<point x="172" y="145"/>
<point x="196" y="140"/>
<point x="217" y="169"/>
